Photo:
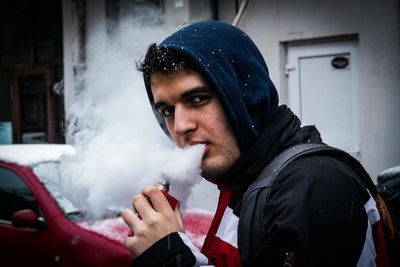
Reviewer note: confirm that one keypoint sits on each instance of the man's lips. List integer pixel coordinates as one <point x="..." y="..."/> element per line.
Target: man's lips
<point x="206" y="149"/>
<point x="193" y="143"/>
<point x="205" y="143"/>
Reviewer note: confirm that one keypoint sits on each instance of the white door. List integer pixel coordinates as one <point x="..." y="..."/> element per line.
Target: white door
<point x="322" y="90"/>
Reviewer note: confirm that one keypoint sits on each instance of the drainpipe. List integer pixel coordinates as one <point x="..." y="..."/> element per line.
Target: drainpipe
<point x="239" y="16"/>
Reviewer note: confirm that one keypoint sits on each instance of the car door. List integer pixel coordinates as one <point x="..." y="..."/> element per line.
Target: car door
<point x="21" y="246"/>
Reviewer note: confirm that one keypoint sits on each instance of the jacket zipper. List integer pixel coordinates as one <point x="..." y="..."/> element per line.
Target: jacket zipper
<point x="289" y="256"/>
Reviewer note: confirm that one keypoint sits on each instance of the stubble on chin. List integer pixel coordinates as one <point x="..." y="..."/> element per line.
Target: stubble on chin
<point x="217" y="167"/>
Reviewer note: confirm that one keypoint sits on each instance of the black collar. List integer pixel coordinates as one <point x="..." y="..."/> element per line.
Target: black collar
<point x="283" y="131"/>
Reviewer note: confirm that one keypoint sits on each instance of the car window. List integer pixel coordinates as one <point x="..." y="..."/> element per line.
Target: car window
<point x="48" y="174"/>
<point x="14" y="195"/>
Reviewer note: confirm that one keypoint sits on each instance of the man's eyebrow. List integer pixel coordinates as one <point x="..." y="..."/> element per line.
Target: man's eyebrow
<point x="186" y="94"/>
<point x="196" y="90"/>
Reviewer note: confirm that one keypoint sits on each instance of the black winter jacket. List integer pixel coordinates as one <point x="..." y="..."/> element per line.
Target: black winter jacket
<point x="317" y="208"/>
<point x="315" y="213"/>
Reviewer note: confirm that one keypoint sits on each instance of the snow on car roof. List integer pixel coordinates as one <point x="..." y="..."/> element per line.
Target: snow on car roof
<point x="390" y="172"/>
<point x="31" y="154"/>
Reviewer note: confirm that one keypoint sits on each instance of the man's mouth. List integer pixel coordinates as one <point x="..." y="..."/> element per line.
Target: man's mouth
<point x="193" y="143"/>
<point x="207" y="146"/>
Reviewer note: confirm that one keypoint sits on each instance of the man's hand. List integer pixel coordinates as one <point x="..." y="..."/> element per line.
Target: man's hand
<point x="152" y="221"/>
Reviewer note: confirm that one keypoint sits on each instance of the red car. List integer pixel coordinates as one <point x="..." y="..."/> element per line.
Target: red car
<point x="39" y="227"/>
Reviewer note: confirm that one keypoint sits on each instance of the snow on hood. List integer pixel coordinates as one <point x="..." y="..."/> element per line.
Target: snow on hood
<point x="32" y="154"/>
<point x="113" y="228"/>
<point x="237" y="73"/>
<point x="196" y="221"/>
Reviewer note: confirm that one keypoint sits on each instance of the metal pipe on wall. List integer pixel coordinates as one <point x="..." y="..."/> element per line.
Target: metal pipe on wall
<point x="239" y="16"/>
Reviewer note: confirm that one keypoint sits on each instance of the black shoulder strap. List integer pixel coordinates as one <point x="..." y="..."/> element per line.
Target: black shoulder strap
<point x="249" y="229"/>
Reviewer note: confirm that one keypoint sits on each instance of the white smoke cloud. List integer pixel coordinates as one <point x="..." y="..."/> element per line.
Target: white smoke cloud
<point x="120" y="146"/>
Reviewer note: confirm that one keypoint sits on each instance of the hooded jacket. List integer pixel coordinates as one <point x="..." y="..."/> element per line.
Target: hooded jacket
<point x="315" y="203"/>
<point x="235" y="69"/>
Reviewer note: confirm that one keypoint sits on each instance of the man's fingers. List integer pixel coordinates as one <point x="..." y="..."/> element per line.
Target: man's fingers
<point x="142" y="206"/>
<point x="130" y="218"/>
<point x="178" y="214"/>
<point x="157" y="219"/>
<point x="157" y="199"/>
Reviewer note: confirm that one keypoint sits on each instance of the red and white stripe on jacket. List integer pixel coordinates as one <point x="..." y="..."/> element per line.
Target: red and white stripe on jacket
<point x="374" y="253"/>
<point x="220" y="246"/>
<point x="221" y="249"/>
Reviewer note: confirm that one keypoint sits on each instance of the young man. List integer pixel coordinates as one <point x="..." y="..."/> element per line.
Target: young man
<point x="211" y="86"/>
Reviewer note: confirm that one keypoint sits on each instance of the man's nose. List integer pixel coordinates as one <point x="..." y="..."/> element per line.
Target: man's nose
<point x="184" y="122"/>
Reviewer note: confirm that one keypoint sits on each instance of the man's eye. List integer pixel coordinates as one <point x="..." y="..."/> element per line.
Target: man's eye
<point x="167" y="111"/>
<point x="200" y="99"/>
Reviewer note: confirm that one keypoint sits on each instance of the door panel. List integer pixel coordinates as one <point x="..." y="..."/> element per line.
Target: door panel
<point x="32" y="93"/>
<point x="323" y="90"/>
<point x="33" y="107"/>
<point x="22" y="246"/>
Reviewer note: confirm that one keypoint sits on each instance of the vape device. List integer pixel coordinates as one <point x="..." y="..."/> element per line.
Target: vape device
<point x="164" y="185"/>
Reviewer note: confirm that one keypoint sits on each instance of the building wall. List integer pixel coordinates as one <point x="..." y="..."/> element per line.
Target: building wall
<point x="272" y="24"/>
<point x="30" y="45"/>
<point x="91" y="26"/>
<point x="84" y="19"/>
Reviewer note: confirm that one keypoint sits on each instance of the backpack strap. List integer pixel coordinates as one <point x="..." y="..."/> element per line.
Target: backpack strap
<point x="250" y="232"/>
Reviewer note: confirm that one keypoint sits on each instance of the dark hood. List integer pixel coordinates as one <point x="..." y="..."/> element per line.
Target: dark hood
<point x="283" y="131"/>
<point x="235" y="69"/>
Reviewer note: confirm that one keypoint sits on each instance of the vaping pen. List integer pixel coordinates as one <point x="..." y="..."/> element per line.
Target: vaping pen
<point x="163" y="184"/>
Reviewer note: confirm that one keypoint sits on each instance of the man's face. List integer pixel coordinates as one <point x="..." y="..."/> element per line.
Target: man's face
<point x="194" y="115"/>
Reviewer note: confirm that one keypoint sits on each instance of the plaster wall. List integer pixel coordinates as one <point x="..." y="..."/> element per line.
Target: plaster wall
<point x="273" y="24"/>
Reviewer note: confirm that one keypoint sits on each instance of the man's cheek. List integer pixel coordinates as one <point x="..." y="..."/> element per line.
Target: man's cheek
<point x="177" y="140"/>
